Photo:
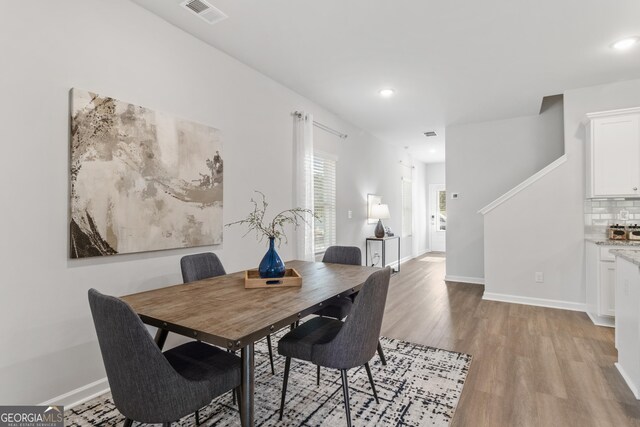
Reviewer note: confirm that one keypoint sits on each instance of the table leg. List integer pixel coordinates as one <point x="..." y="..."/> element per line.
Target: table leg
<point x="246" y="413"/>
<point x="366" y="252"/>
<point x="398" y="255"/>
<point x="161" y="337"/>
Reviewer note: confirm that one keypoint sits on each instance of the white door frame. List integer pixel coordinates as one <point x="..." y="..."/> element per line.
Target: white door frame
<point x="437" y="238"/>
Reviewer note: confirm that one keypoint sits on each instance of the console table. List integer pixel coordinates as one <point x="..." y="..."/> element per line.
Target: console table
<point x="383" y="241"/>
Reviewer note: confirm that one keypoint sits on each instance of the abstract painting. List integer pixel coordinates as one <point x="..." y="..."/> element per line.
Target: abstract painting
<point x="141" y="180"/>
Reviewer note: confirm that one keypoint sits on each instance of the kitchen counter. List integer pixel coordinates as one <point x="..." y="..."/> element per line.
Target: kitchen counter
<point x="630" y="255"/>
<point x="603" y="241"/>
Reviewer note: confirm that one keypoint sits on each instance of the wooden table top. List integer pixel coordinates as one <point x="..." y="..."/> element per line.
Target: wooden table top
<point x="221" y="311"/>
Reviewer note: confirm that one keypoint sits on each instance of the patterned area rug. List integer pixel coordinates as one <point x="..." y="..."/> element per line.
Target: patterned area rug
<point x="420" y="386"/>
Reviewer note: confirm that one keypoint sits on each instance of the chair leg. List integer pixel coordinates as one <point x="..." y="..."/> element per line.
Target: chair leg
<point x="345" y="391"/>
<point x="373" y="386"/>
<point x="318" y="376"/>
<point x="237" y="392"/>
<point x="273" y="371"/>
<point x="287" y="366"/>
<point x="381" y="354"/>
<point x="197" y="417"/>
<point x="127" y="422"/>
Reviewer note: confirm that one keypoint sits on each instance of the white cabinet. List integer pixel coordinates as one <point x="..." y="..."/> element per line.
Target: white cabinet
<point x="601" y="281"/>
<point x="628" y="323"/>
<point x="613" y="154"/>
<point x="607" y="305"/>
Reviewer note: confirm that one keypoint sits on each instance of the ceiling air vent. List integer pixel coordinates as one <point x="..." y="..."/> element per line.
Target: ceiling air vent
<point x="204" y="10"/>
<point x="430" y="133"/>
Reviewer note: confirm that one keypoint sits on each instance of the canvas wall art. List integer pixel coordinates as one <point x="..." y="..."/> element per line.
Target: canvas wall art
<point x="141" y="180"/>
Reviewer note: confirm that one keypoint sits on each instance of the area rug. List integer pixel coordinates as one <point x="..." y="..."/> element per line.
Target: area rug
<point x="420" y="386"/>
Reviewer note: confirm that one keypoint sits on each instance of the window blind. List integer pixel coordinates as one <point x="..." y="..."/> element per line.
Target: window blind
<point x="324" y="202"/>
<point x="407" y="202"/>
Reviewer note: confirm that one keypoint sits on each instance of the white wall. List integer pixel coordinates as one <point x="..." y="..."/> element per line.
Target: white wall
<point x="367" y="169"/>
<point x="118" y="49"/>
<point x="420" y="238"/>
<point x="434" y="173"/>
<point x="483" y="161"/>
<point x="547" y="217"/>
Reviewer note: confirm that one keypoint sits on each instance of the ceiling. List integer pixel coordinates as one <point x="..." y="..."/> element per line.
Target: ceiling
<point x="449" y="61"/>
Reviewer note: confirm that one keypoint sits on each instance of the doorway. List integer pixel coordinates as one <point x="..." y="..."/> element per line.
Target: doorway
<point x="437" y="217"/>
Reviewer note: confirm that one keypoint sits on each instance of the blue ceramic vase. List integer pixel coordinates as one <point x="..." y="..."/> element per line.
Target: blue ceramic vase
<point x="271" y="265"/>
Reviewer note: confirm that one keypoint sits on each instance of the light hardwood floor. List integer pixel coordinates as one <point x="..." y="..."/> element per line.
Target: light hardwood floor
<point x="532" y="366"/>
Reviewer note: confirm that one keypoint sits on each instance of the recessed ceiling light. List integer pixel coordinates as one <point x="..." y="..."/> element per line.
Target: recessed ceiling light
<point x="625" y="44"/>
<point x="386" y="93"/>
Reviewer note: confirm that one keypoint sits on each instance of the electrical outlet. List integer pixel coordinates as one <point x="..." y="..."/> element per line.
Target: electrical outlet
<point x="624" y="215"/>
<point x="349" y="214"/>
<point x="376" y="254"/>
<point x="539" y="277"/>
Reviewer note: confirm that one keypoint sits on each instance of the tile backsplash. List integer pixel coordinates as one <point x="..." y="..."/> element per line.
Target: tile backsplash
<point x="599" y="214"/>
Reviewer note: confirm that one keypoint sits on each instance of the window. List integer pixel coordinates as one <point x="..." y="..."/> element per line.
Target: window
<point x="324" y="201"/>
<point x="407" y="215"/>
<point x="442" y="210"/>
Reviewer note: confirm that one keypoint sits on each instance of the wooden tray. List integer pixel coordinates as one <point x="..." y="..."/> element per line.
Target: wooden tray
<point x="291" y="278"/>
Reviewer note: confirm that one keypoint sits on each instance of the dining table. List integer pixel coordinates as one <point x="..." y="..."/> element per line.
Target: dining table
<point x="222" y="312"/>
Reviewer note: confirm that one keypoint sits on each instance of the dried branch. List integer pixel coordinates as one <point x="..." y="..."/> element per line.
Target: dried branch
<point x="276" y="228"/>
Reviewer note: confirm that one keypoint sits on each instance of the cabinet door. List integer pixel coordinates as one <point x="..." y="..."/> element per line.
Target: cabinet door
<point x="606" y="306"/>
<point x="616" y="155"/>
<point x="592" y="264"/>
<point x="627" y="321"/>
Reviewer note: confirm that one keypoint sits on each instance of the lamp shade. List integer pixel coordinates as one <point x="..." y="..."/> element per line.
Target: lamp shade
<point x="380" y="211"/>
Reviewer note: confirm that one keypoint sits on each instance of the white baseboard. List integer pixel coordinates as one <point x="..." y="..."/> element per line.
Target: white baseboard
<point x="539" y="302"/>
<point x="410" y="257"/>
<point x="80" y="395"/>
<point x="463" y="279"/>
<point x="423" y="252"/>
<point x="627" y="379"/>
<point x="607" y="321"/>
<point x="405" y="259"/>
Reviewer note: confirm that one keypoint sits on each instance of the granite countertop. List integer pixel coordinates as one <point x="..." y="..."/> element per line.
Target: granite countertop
<point x="628" y="254"/>
<point x="607" y="242"/>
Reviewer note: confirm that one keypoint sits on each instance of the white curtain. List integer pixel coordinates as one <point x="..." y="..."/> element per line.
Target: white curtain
<point x="303" y="176"/>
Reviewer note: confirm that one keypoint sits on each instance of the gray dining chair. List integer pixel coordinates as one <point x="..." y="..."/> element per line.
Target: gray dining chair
<point x="204" y="266"/>
<point x="150" y="386"/>
<point x="201" y="266"/>
<point x="347" y="255"/>
<point x="341" y="307"/>
<point x="334" y="344"/>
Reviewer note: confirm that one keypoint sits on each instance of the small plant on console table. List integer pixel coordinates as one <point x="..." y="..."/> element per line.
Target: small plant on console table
<point x="271" y="265"/>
